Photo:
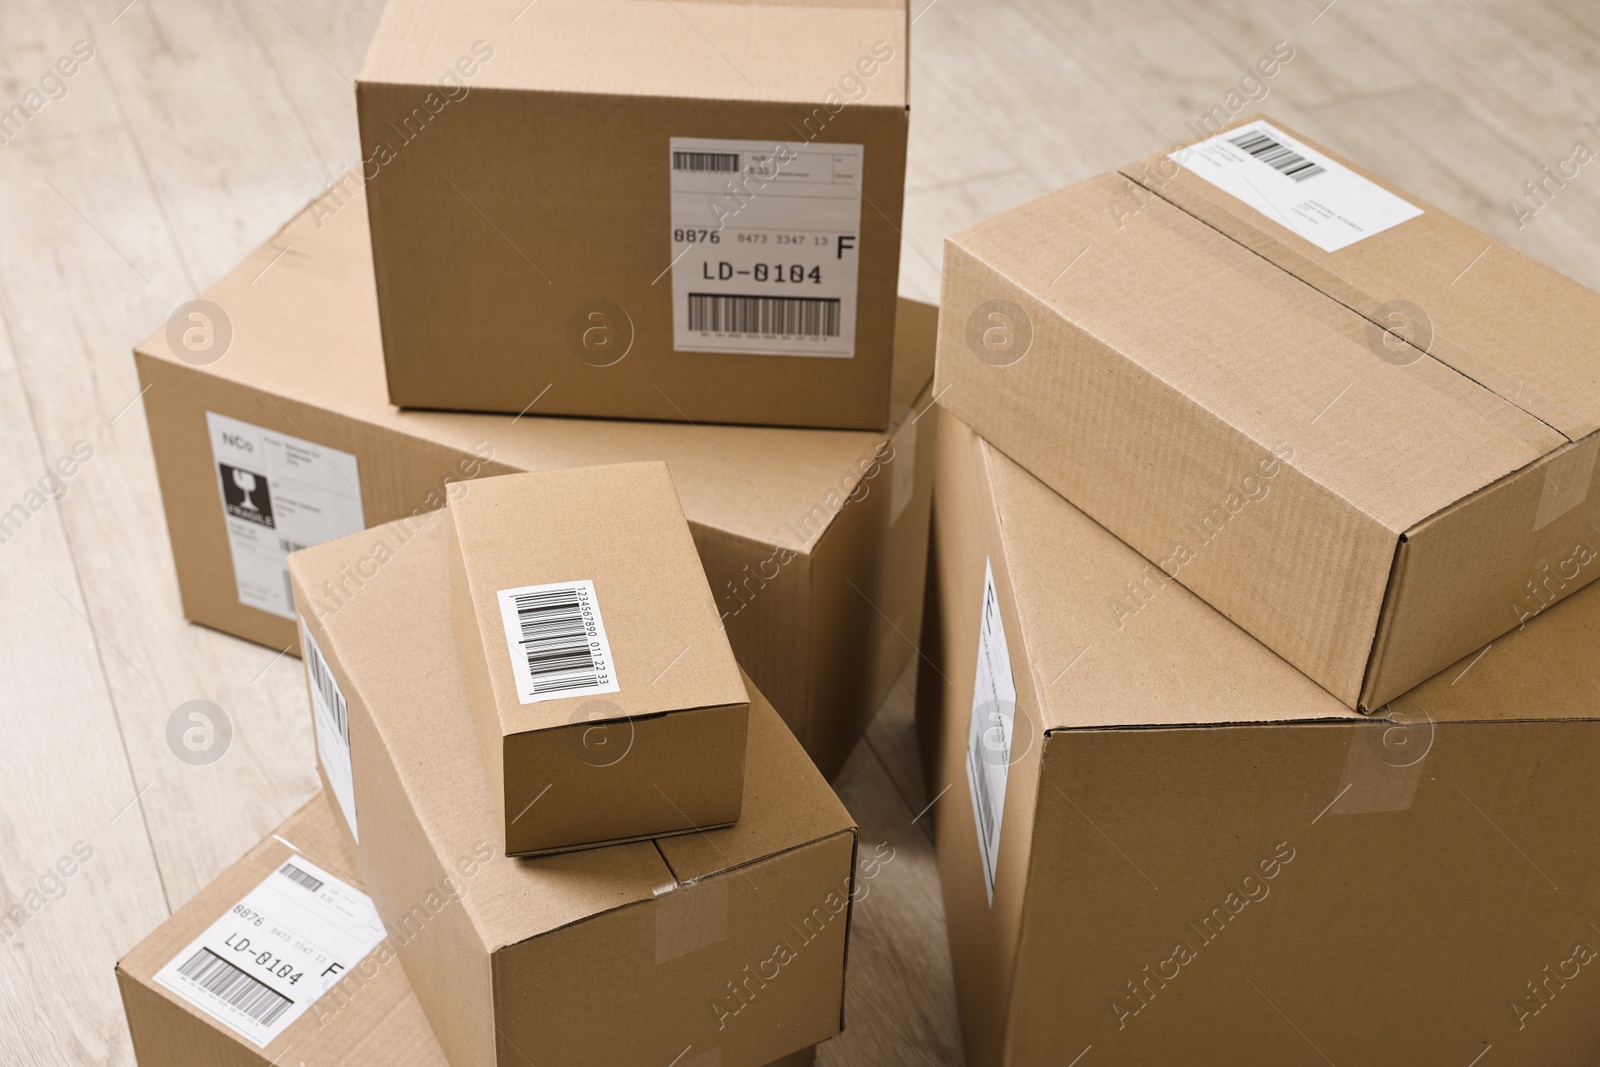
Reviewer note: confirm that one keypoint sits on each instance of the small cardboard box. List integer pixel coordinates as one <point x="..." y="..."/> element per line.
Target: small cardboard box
<point x="369" y="1016"/>
<point x="1192" y="854"/>
<point x="603" y="686"/>
<point x="274" y="380"/>
<point x="1374" y="473"/>
<point x="722" y="948"/>
<point x="681" y="211"/>
<point x="366" y="1014"/>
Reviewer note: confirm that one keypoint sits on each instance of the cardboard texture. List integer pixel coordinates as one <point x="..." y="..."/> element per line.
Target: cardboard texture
<point x="723" y="947"/>
<point x="798" y="530"/>
<point x="521" y="172"/>
<point x="1390" y="474"/>
<point x="1203" y="857"/>
<point x="662" y="751"/>
<point x="371" y="1016"/>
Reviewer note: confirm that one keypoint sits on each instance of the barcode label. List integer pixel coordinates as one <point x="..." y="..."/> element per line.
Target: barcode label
<point x="238" y="990"/>
<point x="557" y="641"/>
<point x="299" y="877"/>
<point x="1276" y="156"/>
<point x="766" y="246"/>
<point x="706" y="162"/>
<point x="265" y="961"/>
<point x="764" y="316"/>
<point x="290" y="546"/>
<point x="989" y="735"/>
<point x="1336" y="210"/>
<point x="330" y="719"/>
<point x="327" y="689"/>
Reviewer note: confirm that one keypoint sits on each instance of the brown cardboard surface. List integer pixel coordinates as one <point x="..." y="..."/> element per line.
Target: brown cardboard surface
<point x="627" y="953"/>
<point x="1371" y="520"/>
<point x="370" y="1017"/>
<point x="1509" y="322"/>
<point x="1346" y="890"/>
<point x="789" y="523"/>
<point x="680" y="700"/>
<point x="517" y="172"/>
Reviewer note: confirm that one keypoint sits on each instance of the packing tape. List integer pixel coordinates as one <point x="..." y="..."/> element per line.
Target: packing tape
<point x="690" y="916"/>
<point x="1384" y="762"/>
<point x="711" y="1057"/>
<point x="1566" y="481"/>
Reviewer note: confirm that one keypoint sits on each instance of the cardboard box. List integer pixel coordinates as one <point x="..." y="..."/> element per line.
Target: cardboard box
<point x="1374" y="479"/>
<point x="368" y="1015"/>
<point x="1199" y="856"/>
<point x="681" y="211"/>
<point x="602" y="683"/>
<point x="797" y="529"/>
<point x="722" y="947"/>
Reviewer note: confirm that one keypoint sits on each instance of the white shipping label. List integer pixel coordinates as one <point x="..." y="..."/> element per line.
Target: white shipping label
<point x="331" y="717"/>
<point x="994" y="709"/>
<point x="557" y="641"/>
<point x="279" y="494"/>
<point x="263" y="964"/>
<point x="766" y="242"/>
<point x="1294" y="185"/>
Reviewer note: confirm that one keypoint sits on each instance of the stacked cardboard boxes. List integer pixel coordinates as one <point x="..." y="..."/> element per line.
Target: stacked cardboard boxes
<point x="1251" y="477"/>
<point x="586" y="834"/>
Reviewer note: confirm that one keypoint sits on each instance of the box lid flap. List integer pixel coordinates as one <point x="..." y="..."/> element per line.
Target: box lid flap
<point x="1514" y="326"/>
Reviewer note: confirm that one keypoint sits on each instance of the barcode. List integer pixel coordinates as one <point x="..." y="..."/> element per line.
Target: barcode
<point x="1283" y="160"/>
<point x="295" y="874"/>
<point x="322" y="678"/>
<point x="290" y="546"/>
<point x="712" y="162"/>
<point x="555" y="638"/>
<point x="219" y="977"/>
<point x="789" y="316"/>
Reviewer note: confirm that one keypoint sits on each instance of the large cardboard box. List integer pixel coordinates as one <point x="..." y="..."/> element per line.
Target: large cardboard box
<point x="668" y="210"/>
<point x="1369" y="440"/>
<point x="603" y="687"/>
<point x="275" y="380"/>
<point x="366" y="1014"/>
<point x="720" y="948"/>
<point x="1199" y="856"/>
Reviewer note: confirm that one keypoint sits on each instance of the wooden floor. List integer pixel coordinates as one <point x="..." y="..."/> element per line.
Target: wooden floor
<point x="200" y="125"/>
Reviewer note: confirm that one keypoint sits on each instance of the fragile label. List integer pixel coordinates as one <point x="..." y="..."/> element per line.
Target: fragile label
<point x="766" y="240"/>
<point x="331" y="718"/>
<point x="994" y="709"/>
<point x="1318" y="198"/>
<point x="279" y="494"/>
<point x="263" y="964"/>
<point x="557" y="641"/>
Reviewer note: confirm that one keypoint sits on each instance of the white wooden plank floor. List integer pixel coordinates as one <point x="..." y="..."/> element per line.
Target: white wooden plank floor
<point x="197" y="127"/>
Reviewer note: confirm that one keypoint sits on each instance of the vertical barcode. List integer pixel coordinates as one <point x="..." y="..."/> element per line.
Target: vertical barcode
<point x="332" y="698"/>
<point x="712" y="162"/>
<point x="239" y="990"/>
<point x="1284" y="160"/>
<point x="788" y="316"/>
<point x="556" y="640"/>
<point x="295" y="874"/>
